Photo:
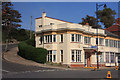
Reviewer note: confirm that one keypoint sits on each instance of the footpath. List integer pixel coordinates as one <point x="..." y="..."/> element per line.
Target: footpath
<point x="12" y="56"/>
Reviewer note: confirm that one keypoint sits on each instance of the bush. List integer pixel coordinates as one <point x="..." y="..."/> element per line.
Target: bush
<point x="31" y="53"/>
<point x="31" y="42"/>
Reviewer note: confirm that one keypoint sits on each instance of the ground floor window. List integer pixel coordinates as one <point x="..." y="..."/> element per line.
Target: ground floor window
<point x="51" y="56"/>
<point x="112" y="60"/>
<point x="76" y="55"/>
<point x="107" y="57"/>
<point x="110" y="57"/>
<point x="101" y="57"/>
<point x="61" y="55"/>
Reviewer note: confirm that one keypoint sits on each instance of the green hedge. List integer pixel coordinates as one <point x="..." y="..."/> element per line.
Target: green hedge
<point x="32" y="53"/>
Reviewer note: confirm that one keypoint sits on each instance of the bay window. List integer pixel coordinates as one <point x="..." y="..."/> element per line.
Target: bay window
<point x="51" y="56"/>
<point x="76" y="55"/>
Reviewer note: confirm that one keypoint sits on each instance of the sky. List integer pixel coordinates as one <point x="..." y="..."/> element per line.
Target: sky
<point x="68" y="11"/>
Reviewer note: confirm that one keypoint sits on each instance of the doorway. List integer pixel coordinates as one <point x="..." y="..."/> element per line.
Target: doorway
<point x="87" y="59"/>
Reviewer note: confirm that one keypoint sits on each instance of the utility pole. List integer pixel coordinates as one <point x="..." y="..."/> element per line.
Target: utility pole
<point x="97" y="34"/>
<point x="31" y="29"/>
<point x="97" y="7"/>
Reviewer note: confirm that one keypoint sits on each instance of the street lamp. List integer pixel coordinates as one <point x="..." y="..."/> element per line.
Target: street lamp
<point x="97" y="7"/>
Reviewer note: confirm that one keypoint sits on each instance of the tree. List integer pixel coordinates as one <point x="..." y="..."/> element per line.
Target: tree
<point x="90" y="20"/>
<point x="106" y="16"/>
<point x="10" y="19"/>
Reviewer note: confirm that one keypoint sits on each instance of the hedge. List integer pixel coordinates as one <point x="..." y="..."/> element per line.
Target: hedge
<point x="31" y="53"/>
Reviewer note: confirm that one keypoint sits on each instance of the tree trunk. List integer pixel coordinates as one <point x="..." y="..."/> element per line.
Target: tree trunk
<point x="6" y="46"/>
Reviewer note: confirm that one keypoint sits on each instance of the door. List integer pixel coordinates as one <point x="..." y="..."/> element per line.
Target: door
<point x="88" y="60"/>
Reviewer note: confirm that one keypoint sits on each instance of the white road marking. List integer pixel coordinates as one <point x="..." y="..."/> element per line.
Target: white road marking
<point x="4" y="70"/>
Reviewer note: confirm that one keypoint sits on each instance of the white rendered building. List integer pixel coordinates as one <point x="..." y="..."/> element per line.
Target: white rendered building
<point x="74" y="44"/>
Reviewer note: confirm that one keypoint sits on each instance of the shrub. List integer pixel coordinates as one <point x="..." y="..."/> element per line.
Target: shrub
<point x="31" y="42"/>
<point x="32" y="53"/>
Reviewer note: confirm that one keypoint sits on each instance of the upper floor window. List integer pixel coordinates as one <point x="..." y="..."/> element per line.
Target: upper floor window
<point x="40" y="25"/>
<point x="118" y="44"/>
<point x="76" y="38"/>
<point x="51" y="23"/>
<point x="87" y="40"/>
<point x="101" y="41"/>
<point x="41" y="40"/>
<point x="61" y="37"/>
<point x="54" y="38"/>
<point x="49" y="38"/>
<point x="106" y="42"/>
<point x="110" y="43"/>
<point x="72" y="37"/>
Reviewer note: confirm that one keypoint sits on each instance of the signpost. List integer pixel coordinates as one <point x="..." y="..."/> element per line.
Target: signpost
<point x="118" y="61"/>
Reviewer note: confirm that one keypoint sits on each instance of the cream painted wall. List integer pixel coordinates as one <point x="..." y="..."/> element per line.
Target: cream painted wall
<point x="67" y="45"/>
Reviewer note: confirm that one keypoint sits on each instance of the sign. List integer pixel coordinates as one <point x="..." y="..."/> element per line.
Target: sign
<point x="93" y="46"/>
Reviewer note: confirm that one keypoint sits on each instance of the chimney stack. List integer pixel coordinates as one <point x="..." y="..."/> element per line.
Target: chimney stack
<point x="43" y="14"/>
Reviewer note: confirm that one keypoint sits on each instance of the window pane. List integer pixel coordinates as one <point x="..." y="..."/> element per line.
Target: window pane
<point x="106" y="42"/>
<point x="50" y="56"/>
<point x="72" y="55"/>
<point x="54" y="38"/>
<point x="61" y="55"/>
<point x="101" y="41"/>
<point x="72" y="37"/>
<point x="61" y="37"/>
<point x="107" y="57"/>
<point x="112" y="57"/>
<point x="76" y="37"/>
<point x="50" y="38"/>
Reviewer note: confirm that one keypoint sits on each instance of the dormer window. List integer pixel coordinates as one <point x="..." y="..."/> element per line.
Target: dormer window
<point x="40" y="25"/>
<point x="51" y="23"/>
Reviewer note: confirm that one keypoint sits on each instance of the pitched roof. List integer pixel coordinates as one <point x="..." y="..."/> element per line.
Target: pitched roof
<point x="113" y="28"/>
<point x="111" y="34"/>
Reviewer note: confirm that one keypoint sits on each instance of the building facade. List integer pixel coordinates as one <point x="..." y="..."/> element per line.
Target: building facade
<point x="75" y="44"/>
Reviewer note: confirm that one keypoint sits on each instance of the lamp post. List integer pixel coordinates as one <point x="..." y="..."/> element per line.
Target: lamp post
<point x="97" y="7"/>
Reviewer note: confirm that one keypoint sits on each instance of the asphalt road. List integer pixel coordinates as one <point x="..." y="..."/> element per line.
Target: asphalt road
<point x="63" y="74"/>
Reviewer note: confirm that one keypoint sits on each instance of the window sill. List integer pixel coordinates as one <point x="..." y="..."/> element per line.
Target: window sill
<point x="100" y="45"/>
<point x="76" y="42"/>
<point x="60" y="42"/>
<point x="76" y="62"/>
<point x="51" y="43"/>
<point x="87" y="44"/>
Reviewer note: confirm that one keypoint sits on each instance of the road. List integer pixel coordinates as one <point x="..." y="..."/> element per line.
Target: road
<point x="13" y="70"/>
<point x="9" y="67"/>
<point x="63" y="74"/>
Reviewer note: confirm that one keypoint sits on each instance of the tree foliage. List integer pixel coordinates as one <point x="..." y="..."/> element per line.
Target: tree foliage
<point x="19" y="34"/>
<point x="90" y="20"/>
<point x="106" y="16"/>
<point x="10" y="18"/>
